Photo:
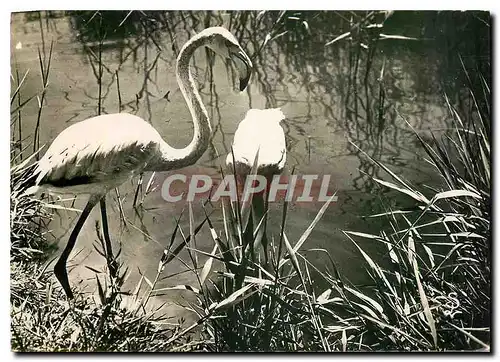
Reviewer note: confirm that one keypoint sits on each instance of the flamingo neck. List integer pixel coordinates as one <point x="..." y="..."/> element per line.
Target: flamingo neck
<point x="173" y="158"/>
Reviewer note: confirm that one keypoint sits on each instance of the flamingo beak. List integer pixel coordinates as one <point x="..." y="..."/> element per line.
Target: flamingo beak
<point x="244" y="66"/>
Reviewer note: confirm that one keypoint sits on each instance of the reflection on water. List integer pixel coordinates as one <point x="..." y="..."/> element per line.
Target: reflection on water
<point x="369" y="87"/>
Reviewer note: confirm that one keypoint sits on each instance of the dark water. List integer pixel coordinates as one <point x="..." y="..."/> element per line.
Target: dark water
<point x="367" y="88"/>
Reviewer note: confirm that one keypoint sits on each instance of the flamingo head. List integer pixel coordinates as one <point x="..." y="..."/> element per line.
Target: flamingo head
<point x="223" y="43"/>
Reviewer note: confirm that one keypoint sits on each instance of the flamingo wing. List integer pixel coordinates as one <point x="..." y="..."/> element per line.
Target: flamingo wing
<point x="260" y="131"/>
<point x="98" y="149"/>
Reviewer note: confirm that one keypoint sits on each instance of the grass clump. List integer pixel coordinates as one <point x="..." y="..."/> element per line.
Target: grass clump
<point x="41" y="317"/>
<point x="255" y="292"/>
<point x="434" y="291"/>
<point x="263" y="303"/>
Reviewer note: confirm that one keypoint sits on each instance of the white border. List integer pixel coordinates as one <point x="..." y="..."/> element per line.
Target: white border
<point x="201" y="5"/>
<point x="254" y="5"/>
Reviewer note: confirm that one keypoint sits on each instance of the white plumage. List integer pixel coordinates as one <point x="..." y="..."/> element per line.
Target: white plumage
<point x="260" y="131"/>
<point x="99" y="154"/>
<point x="259" y="136"/>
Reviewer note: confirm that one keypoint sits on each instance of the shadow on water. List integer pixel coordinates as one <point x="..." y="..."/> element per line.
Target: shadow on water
<point x="338" y="76"/>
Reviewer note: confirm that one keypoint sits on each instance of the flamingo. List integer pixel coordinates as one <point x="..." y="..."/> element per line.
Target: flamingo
<point x="259" y="139"/>
<point x="96" y="155"/>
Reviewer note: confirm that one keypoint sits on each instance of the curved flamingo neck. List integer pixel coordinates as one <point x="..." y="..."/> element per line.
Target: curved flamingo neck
<point x="173" y="158"/>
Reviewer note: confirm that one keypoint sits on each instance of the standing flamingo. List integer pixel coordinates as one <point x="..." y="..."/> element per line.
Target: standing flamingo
<point x="259" y="137"/>
<point x="98" y="154"/>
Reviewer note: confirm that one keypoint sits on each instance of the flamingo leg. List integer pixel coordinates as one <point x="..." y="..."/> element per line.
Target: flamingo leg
<point x="259" y="213"/>
<point x="258" y="220"/>
<point x="60" y="268"/>
<point x="105" y="230"/>
<point x="264" y="205"/>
